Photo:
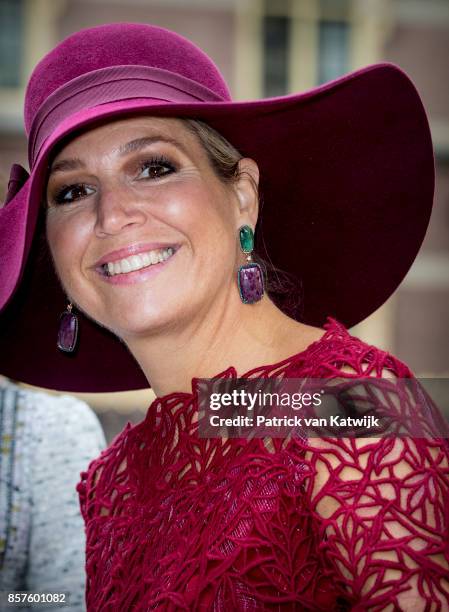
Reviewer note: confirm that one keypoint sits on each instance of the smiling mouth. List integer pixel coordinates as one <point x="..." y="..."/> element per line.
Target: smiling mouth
<point x="137" y="262"/>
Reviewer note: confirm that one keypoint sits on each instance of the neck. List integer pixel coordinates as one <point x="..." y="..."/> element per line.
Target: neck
<point x="235" y="334"/>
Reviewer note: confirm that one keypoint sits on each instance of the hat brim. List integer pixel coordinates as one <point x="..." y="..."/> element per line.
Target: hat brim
<point x="347" y="182"/>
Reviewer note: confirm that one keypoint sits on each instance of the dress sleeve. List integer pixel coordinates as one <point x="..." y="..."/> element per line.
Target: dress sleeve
<point x="67" y="435"/>
<point x="382" y="507"/>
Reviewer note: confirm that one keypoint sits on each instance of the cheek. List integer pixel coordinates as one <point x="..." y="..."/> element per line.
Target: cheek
<point x="67" y="238"/>
<point x="205" y="218"/>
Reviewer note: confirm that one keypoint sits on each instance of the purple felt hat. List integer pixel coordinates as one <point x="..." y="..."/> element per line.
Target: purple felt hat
<point x="347" y="179"/>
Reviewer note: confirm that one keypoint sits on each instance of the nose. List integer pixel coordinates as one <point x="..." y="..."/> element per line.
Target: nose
<point x="117" y="210"/>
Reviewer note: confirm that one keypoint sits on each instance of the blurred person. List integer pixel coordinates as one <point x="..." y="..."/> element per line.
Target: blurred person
<point x="46" y="441"/>
<point x="145" y="184"/>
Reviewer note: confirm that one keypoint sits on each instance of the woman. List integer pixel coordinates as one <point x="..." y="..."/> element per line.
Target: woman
<point x="149" y="214"/>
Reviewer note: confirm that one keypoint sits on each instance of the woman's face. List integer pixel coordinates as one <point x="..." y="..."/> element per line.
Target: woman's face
<point x="142" y="231"/>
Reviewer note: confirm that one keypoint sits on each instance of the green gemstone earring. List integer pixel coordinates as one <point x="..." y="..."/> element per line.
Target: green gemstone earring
<point x="249" y="276"/>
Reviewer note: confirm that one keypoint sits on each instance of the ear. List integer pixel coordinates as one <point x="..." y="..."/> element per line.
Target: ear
<point x="247" y="192"/>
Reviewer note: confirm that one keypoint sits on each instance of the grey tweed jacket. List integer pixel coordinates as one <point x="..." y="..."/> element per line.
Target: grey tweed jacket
<point x="46" y="441"/>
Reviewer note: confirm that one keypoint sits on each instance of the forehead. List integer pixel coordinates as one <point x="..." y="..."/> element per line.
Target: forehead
<point x="112" y="137"/>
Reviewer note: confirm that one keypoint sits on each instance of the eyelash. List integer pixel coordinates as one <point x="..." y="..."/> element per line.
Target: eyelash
<point x="59" y="197"/>
<point x="160" y="160"/>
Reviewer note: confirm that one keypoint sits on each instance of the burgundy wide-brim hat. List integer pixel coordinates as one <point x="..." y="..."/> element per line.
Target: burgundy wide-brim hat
<point x="347" y="179"/>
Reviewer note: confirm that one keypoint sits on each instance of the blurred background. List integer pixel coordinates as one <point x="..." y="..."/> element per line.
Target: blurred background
<point x="268" y="48"/>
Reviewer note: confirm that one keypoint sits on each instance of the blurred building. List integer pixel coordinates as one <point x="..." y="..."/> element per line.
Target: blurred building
<point x="268" y="48"/>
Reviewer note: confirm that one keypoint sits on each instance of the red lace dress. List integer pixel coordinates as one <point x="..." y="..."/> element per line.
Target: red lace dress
<point x="177" y="522"/>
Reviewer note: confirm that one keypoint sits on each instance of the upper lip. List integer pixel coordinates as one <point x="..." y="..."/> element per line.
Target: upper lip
<point x="133" y="249"/>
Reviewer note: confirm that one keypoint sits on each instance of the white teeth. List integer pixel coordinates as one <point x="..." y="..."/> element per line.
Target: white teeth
<point x="136" y="262"/>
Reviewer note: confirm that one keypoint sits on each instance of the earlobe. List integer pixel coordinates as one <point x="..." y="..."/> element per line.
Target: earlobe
<point x="247" y="190"/>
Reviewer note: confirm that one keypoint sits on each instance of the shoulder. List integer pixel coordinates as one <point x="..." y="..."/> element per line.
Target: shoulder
<point x="63" y="417"/>
<point x="48" y="405"/>
<point x="46" y="410"/>
<point x="64" y="409"/>
<point x="337" y="352"/>
<point x="352" y="461"/>
<point x="52" y="425"/>
<point x="341" y="356"/>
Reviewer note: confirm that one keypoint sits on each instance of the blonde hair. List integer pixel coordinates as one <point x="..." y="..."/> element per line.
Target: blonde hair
<point x="222" y="155"/>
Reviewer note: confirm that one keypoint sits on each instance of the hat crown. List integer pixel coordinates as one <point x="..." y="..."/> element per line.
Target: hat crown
<point x="119" y="44"/>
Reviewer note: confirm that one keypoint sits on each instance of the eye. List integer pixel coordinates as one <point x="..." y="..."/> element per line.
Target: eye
<point x="71" y="193"/>
<point x="156" y="168"/>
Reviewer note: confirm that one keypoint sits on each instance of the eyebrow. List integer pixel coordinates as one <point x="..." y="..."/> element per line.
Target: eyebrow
<point x="138" y="144"/>
<point x="66" y="164"/>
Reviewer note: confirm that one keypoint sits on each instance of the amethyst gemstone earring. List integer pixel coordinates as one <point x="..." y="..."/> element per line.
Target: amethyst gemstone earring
<point x="249" y="276"/>
<point x="68" y="330"/>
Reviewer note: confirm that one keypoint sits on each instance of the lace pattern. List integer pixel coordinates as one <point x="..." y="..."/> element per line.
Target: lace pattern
<point x="177" y="522"/>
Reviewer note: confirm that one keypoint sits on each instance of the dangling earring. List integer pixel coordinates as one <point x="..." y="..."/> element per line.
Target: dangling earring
<point x="68" y="330"/>
<point x="250" y="275"/>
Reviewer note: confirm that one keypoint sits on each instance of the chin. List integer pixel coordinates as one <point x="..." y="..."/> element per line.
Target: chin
<point x="133" y="322"/>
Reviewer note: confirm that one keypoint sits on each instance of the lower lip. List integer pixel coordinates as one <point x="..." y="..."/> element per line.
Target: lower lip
<point x="137" y="276"/>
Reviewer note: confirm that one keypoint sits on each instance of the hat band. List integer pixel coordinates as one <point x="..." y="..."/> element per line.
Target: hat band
<point x="111" y="85"/>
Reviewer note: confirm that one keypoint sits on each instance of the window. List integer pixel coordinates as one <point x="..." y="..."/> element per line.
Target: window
<point x="11" y="37"/>
<point x="333" y="55"/>
<point x="304" y="42"/>
<point x="276" y="43"/>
